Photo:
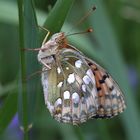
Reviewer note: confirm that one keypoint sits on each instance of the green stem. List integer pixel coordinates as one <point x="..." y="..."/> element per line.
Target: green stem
<point x="23" y="89"/>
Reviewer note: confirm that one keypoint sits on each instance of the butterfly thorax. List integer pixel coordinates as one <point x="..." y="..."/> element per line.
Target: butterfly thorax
<point x="50" y="49"/>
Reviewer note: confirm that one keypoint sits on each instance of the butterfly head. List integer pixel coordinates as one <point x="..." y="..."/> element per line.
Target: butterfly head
<point x="51" y="47"/>
<point x="58" y="38"/>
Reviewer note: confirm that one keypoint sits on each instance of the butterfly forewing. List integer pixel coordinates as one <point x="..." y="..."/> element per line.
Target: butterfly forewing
<point x="110" y="98"/>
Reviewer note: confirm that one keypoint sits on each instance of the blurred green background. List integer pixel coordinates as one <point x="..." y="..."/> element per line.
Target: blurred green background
<point x="115" y="44"/>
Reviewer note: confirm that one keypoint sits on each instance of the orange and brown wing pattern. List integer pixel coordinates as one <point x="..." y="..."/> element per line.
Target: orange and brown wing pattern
<point x="109" y="97"/>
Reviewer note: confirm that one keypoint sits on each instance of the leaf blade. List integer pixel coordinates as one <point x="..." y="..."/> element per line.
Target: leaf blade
<point x="8" y="110"/>
<point x="28" y="37"/>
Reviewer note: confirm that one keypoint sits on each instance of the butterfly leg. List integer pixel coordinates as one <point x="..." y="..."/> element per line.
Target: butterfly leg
<point x="44" y="41"/>
<point x="31" y="49"/>
<point x="46" y="66"/>
<point x="35" y="73"/>
<point x="48" y="32"/>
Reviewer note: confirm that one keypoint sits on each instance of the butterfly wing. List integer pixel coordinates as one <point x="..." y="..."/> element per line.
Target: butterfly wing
<point x="110" y="98"/>
<point x="77" y="89"/>
<point x="70" y="88"/>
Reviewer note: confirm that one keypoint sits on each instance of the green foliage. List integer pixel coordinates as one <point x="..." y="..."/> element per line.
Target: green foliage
<point x="110" y="23"/>
<point x="8" y="109"/>
<point x="28" y="32"/>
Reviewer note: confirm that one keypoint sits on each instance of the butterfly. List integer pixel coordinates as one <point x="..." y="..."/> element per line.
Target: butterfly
<point x="75" y="87"/>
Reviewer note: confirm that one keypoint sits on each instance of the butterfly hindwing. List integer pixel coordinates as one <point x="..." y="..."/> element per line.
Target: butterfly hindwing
<point x="73" y="88"/>
<point x="81" y="84"/>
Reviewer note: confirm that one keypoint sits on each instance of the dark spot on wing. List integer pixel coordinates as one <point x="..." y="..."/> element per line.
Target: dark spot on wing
<point x="98" y="88"/>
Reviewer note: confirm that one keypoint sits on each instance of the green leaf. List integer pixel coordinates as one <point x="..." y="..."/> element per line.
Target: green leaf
<point x="8" y="8"/>
<point x="57" y="16"/>
<point x="28" y="31"/>
<point x="8" y="110"/>
<point x="4" y="90"/>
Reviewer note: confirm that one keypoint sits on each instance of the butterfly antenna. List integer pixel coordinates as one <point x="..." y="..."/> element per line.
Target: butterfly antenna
<point x="83" y="32"/>
<point x="84" y="17"/>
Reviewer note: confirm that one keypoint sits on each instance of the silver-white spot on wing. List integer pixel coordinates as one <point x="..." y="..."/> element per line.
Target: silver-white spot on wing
<point x="91" y="75"/>
<point x="78" y="63"/>
<point x="67" y="68"/>
<point x="84" y="87"/>
<point x="60" y="85"/>
<point x="58" y="70"/>
<point x="71" y="78"/>
<point x="58" y="102"/>
<point x="75" y="98"/>
<point x="66" y="95"/>
<point x="86" y="79"/>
